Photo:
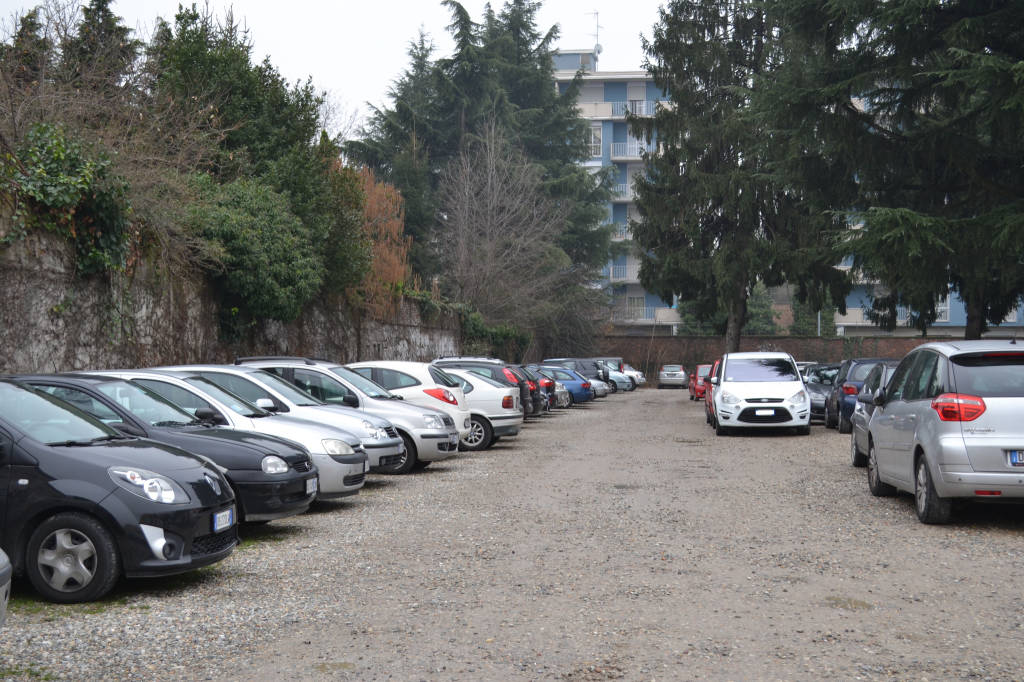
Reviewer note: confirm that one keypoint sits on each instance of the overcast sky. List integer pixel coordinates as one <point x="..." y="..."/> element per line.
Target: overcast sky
<point x="354" y="49"/>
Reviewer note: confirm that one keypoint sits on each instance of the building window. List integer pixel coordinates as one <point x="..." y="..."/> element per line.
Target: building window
<point x="942" y="309"/>
<point x="594" y="141"/>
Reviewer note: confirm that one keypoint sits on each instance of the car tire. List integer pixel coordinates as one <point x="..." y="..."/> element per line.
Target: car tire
<point x="407" y="463"/>
<point x="930" y="507"/>
<point x="828" y="417"/>
<point x="857" y="458"/>
<point x="803" y="430"/>
<point x="875" y="484"/>
<point x="480" y="434"/>
<point x="721" y="430"/>
<point x="845" y="425"/>
<point x="71" y="557"/>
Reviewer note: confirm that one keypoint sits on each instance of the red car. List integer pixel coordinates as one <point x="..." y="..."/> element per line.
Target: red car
<point x="697" y="378"/>
<point x="709" y="403"/>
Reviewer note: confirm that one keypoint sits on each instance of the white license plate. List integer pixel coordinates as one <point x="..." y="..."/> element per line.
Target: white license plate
<point x="453" y="439"/>
<point x="764" y="413"/>
<point x="224" y="519"/>
<point x="311" y="485"/>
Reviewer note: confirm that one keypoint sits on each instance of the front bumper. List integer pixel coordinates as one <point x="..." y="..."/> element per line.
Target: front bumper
<point x="261" y="498"/>
<point x="434" y="446"/>
<point x="390" y="449"/>
<point x="763" y="415"/>
<point x="340" y="475"/>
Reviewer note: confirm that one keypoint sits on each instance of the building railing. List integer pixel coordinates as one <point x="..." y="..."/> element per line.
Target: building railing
<point x="623" y="192"/>
<point x="633" y="149"/>
<point x="629" y="272"/>
<point x="636" y="107"/>
<point x="633" y="313"/>
<point x="621" y="231"/>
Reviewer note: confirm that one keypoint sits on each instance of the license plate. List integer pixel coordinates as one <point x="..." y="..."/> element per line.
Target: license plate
<point x="311" y="485"/>
<point x="764" y="413"/>
<point x="1017" y="458"/>
<point x="224" y="519"/>
<point x="453" y="439"/>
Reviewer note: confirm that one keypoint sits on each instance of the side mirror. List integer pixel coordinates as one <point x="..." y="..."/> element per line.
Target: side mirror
<point x="208" y="414"/>
<point x="878" y="399"/>
<point x="266" y="404"/>
<point x="350" y="401"/>
<point x="866" y="398"/>
<point x="714" y="381"/>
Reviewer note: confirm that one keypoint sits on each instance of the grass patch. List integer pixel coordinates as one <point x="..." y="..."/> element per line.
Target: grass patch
<point x="848" y="603"/>
<point x="46" y="612"/>
<point x="26" y="671"/>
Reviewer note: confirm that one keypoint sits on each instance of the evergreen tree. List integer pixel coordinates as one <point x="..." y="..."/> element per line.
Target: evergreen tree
<point x="908" y="117"/>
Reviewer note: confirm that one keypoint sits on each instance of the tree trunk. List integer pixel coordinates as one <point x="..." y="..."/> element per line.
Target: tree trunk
<point x="734" y="322"/>
<point x="975" y="317"/>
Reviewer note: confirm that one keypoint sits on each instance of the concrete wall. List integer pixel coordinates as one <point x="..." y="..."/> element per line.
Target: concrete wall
<point x="649" y="353"/>
<point x="51" y="321"/>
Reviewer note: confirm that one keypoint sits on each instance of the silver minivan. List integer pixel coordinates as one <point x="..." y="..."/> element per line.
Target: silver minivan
<point x="948" y="425"/>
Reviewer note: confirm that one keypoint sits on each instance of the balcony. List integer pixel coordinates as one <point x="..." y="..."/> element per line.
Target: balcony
<point x="620" y="232"/>
<point x="623" y="192"/>
<point x="631" y="313"/>
<point x="632" y="150"/>
<point x="624" y="274"/>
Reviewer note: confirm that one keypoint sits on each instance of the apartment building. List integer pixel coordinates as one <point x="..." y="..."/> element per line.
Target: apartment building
<point x="604" y="100"/>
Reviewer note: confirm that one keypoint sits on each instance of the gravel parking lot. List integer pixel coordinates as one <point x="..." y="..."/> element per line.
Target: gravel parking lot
<point x="621" y="540"/>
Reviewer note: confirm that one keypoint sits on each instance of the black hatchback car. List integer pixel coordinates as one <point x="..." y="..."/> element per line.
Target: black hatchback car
<point x="82" y="504"/>
<point x="271" y="477"/>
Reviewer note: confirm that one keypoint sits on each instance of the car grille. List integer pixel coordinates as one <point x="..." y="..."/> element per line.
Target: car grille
<point x="447" y="447"/>
<point x="303" y="466"/>
<point x="391" y="431"/>
<point x="213" y="543"/>
<point x="764" y="400"/>
<point x="448" y="421"/>
<point x="354" y="479"/>
<point x="389" y="460"/>
<point x="750" y="416"/>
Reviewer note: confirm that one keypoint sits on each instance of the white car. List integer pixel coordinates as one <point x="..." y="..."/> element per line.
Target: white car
<point x="337" y="454"/>
<point x="760" y="389"/>
<point x="494" y="409"/>
<point x="635" y="374"/>
<point x="601" y="389"/>
<point x="421" y="383"/>
<point x="429" y="434"/>
<point x="268" y="391"/>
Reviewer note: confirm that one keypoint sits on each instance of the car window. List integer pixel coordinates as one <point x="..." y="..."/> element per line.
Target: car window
<point x="183" y="398"/>
<point x="392" y="379"/>
<point x="989" y="375"/>
<point x="467" y="387"/>
<point x="873" y="379"/>
<point x="672" y="368"/>
<point x="249" y="390"/>
<point x="84" y="402"/>
<point x="284" y="388"/>
<point x="234" y="402"/>
<point x="860" y="372"/>
<point x="47" y="419"/>
<point x="362" y="383"/>
<point x="843" y="370"/>
<point x="919" y="381"/>
<point x="704" y="370"/>
<point x="894" y="391"/>
<point x="760" y="369"/>
<point x="442" y="377"/>
<point x="322" y="387"/>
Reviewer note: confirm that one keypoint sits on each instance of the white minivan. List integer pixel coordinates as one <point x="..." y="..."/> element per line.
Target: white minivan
<point x="759" y="390"/>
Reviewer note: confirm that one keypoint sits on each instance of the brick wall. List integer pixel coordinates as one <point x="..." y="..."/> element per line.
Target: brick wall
<point x="649" y="353"/>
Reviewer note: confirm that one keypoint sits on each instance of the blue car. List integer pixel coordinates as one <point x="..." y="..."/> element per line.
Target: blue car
<point x="842" y="398"/>
<point x="578" y="385"/>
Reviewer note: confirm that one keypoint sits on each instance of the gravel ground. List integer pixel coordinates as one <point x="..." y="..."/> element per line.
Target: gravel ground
<point x="617" y="541"/>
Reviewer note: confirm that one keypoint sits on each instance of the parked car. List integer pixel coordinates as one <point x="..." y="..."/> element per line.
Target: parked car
<point x="760" y="389"/>
<point x="494" y="409"/>
<point x="545" y="387"/>
<point x="495" y="369"/>
<point x="6" y="571"/>
<point x="601" y="389"/>
<point x="636" y="375"/>
<point x="697" y="381"/>
<point x="613" y="361"/>
<point x="538" y="398"/>
<point x="617" y="379"/>
<point x="843" y="396"/>
<point x="271" y="478"/>
<point x="562" y="397"/>
<point x="588" y="368"/>
<point x="709" y="393"/>
<point x="673" y="376"/>
<point x="333" y="450"/>
<point x="87" y="504"/>
<point x="819" y="380"/>
<point x="876" y="379"/>
<point x="342" y="473"/>
<point x="948" y="425"/>
<point x="428" y="433"/>
<point x="421" y="383"/>
<point x="578" y="386"/>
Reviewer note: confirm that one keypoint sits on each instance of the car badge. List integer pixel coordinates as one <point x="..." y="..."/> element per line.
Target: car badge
<point x="213" y="483"/>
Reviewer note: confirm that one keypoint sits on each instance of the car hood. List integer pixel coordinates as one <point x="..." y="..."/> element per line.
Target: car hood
<point x="820" y="390"/>
<point x="137" y="452"/>
<point x="307" y="432"/>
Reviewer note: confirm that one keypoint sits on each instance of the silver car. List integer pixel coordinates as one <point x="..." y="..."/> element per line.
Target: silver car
<point x="429" y="434"/>
<point x="673" y="376"/>
<point x="878" y="377"/>
<point x="949" y="426"/>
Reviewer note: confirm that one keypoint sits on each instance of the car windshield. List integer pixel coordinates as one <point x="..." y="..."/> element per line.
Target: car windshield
<point x="760" y="369"/>
<point x="230" y="400"/>
<point x="860" y="372"/>
<point x="144" y="404"/>
<point x="672" y="368"/>
<point x="704" y="370"/>
<point x="370" y="388"/>
<point x="289" y="392"/>
<point x="822" y="375"/>
<point x="990" y="375"/>
<point x="48" y="419"/>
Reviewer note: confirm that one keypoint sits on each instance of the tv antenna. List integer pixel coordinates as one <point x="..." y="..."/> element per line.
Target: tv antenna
<point x="597" y="32"/>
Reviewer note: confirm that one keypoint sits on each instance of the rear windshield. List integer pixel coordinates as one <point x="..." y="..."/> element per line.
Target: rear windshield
<point x="822" y="375"/>
<point x="990" y="375"/>
<point x="672" y="368"/>
<point x="860" y="372"/>
<point x="766" y="369"/>
<point x="704" y="370"/>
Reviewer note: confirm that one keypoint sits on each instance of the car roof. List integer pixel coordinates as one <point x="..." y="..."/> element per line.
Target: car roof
<point x="974" y="346"/>
<point x="73" y="377"/>
<point x="753" y="355"/>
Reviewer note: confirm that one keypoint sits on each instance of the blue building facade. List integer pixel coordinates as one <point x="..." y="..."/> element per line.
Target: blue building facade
<point x="604" y="100"/>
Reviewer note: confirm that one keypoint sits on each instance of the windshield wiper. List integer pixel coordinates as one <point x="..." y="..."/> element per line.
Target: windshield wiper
<point x="171" y="422"/>
<point x="93" y="441"/>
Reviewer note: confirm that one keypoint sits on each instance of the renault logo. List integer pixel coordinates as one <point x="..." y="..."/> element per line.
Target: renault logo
<point x="213" y="483"/>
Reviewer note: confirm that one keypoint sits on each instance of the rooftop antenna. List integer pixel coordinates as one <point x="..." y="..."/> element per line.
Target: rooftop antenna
<point x="597" y="32"/>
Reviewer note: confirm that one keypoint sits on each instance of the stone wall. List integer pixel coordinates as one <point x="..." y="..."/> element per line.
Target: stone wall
<point x="52" y="321"/>
<point x="649" y="353"/>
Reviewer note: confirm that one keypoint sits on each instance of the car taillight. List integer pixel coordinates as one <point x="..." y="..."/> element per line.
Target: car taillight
<point x="507" y="402"/>
<point x="533" y="386"/>
<point x="958" y="407"/>
<point x="442" y="394"/>
<point x="509" y="375"/>
<point x="547" y="383"/>
<point x="849" y="389"/>
<point x="586" y="384"/>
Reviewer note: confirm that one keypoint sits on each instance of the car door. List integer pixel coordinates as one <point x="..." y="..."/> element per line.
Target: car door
<point x="883" y="419"/>
<point x="324" y="388"/>
<point x="6" y="446"/>
<point x="832" y="401"/>
<point x="905" y="415"/>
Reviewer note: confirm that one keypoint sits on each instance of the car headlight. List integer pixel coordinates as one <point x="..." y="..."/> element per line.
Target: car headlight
<point x="729" y="398"/>
<point x="333" y="446"/>
<point x="798" y="397"/>
<point x="433" y="421"/>
<point x="272" y="464"/>
<point x="374" y="432"/>
<point x="149" y="485"/>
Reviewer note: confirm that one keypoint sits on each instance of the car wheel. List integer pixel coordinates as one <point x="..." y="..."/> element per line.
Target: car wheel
<point x="930" y="507"/>
<point x="408" y="461"/>
<point x="613" y="387"/>
<point x="857" y="458"/>
<point x="875" y="484"/>
<point x="72" y="557"/>
<point x="828" y="417"/>
<point x="480" y="434"/>
<point x="845" y="425"/>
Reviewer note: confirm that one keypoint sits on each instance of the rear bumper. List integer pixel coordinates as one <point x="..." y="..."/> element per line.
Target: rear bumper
<point x="681" y="382"/>
<point x="964" y="484"/>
